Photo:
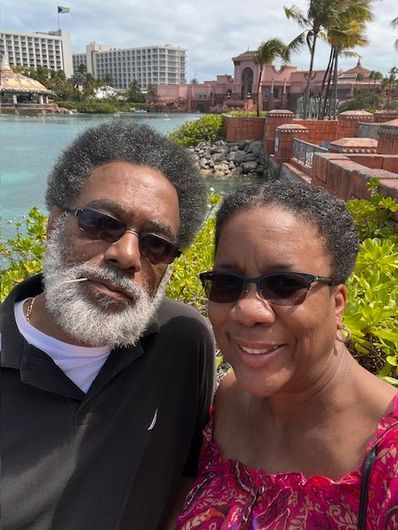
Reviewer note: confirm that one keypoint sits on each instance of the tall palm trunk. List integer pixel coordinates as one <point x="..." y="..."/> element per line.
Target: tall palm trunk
<point x="307" y="88"/>
<point x="335" y="69"/>
<point x="260" y="73"/>
<point x="325" y="87"/>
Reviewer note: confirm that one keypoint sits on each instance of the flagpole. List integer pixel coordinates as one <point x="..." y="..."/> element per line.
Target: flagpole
<point x="58" y="19"/>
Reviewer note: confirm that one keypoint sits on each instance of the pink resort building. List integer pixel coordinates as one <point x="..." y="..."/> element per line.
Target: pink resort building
<point x="280" y="88"/>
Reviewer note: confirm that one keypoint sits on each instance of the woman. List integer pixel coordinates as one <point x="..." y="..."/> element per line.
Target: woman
<point x="293" y="422"/>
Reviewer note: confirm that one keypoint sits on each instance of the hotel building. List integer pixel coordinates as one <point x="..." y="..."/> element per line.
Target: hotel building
<point x="152" y="65"/>
<point x="52" y="50"/>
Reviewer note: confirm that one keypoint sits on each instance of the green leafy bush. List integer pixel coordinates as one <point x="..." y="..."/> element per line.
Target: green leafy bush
<point x="209" y="128"/>
<point x="184" y="284"/>
<point x="373" y="216"/>
<point x="21" y="255"/>
<point x="368" y="101"/>
<point x="372" y="311"/>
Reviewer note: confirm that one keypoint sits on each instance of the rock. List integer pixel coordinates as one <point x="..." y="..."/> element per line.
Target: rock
<point x="218" y="157"/>
<point x="240" y="156"/>
<point x="247" y="167"/>
<point x="250" y="157"/>
<point x="255" y="147"/>
<point x="230" y="159"/>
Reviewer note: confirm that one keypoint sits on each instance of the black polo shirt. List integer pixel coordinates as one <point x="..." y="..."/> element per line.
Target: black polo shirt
<point x="110" y="459"/>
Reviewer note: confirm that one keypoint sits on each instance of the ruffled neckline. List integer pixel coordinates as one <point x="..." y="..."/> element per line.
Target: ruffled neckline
<point x="213" y="460"/>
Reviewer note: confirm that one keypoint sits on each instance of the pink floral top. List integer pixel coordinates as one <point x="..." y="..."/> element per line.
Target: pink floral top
<point x="231" y="496"/>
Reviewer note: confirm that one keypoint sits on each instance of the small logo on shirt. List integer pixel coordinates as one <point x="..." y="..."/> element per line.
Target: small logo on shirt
<point x="153" y="422"/>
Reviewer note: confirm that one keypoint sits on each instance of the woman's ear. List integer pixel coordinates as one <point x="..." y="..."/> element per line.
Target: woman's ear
<point x="340" y="295"/>
<point x="55" y="213"/>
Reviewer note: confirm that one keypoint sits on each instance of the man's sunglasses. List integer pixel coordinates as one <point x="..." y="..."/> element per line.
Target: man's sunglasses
<point x="278" y="288"/>
<point x="98" y="225"/>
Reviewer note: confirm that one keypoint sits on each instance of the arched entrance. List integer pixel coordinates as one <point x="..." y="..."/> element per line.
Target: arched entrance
<point x="200" y="108"/>
<point x="247" y="83"/>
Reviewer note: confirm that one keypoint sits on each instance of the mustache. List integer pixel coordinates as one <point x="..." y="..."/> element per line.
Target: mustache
<point x="84" y="272"/>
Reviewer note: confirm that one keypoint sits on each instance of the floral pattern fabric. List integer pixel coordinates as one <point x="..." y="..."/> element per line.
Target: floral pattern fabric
<point x="231" y="496"/>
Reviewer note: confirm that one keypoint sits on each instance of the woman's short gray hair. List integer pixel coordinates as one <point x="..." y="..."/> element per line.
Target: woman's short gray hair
<point x="138" y="144"/>
<point x="326" y="212"/>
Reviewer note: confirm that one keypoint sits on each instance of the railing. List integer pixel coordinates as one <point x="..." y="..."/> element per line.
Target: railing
<point x="304" y="151"/>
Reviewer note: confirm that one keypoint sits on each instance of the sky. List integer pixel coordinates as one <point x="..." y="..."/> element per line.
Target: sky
<point x="212" y="31"/>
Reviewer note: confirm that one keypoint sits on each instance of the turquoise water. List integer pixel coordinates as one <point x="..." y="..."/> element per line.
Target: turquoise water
<point x="29" y="146"/>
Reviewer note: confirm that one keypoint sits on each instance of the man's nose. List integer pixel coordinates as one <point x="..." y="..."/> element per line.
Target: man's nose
<point x="125" y="252"/>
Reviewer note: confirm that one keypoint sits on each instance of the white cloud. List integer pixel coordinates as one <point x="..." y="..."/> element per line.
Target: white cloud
<point x="212" y="31"/>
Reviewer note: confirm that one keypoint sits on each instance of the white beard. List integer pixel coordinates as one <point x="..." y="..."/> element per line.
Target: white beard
<point x="87" y="320"/>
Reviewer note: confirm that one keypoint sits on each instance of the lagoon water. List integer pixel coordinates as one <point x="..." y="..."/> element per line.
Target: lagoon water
<point x="29" y="146"/>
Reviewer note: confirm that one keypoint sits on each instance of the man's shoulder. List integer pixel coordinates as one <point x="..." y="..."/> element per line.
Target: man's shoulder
<point x="183" y="318"/>
<point x="170" y="309"/>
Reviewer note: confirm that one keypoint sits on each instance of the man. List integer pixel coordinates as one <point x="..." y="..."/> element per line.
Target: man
<point x="105" y="384"/>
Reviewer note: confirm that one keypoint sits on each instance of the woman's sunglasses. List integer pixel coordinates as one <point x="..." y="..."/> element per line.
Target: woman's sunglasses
<point x="98" y="225"/>
<point x="278" y="288"/>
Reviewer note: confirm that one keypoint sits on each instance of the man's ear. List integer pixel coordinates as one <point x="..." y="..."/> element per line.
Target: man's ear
<point x="340" y="295"/>
<point x="55" y="213"/>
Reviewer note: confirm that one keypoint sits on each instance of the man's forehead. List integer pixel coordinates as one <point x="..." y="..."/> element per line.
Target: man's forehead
<point x="131" y="190"/>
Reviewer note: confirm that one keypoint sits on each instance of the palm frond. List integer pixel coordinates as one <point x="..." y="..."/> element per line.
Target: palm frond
<point x="294" y="13"/>
<point x="297" y="43"/>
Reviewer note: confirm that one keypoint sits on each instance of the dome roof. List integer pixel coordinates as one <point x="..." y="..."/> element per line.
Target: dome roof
<point x="358" y="69"/>
<point x="18" y="83"/>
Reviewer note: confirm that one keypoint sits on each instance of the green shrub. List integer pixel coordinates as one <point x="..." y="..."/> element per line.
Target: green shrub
<point x="97" y="107"/>
<point x="368" y="101"/>
<point x="373" y="216"/>
<point x="372" y="311"/>
<point x="184" y="284"/>
<point x="209" y="128"/>
<point x="21" y="255"/>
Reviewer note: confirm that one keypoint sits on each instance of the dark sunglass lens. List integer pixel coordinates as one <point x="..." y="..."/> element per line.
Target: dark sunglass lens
<point x="157" y="249"/>
<point x="284" y="289"/>
<point x="100" y="226"/>
<point x="223" y="288"/>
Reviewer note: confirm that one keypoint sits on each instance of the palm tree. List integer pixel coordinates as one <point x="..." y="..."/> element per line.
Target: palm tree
<point x="313" y="22"/>
<point x="266" y="53"/>
<point x="344" y="31"/>
<point x="389" y="84"/>
<point x="394" y="23"/>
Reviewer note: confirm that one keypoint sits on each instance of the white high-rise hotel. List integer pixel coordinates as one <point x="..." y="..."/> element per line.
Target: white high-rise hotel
<point x="52" y="50"/>
<point x="152" y="65"/>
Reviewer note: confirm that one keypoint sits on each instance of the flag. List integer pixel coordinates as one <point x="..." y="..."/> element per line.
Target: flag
<point x="63" y="9"/>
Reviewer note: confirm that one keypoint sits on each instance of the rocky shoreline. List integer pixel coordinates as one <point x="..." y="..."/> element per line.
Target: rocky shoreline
<point x="230" y="159"/>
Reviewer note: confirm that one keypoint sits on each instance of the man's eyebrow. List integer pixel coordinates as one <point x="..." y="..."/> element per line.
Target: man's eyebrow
<point x="115" y="209"/>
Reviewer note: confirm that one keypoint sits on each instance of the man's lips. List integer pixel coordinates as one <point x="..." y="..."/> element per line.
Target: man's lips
<point x="109" y="288"/>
